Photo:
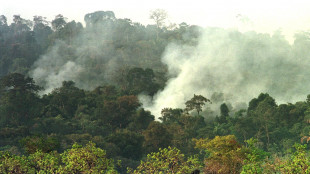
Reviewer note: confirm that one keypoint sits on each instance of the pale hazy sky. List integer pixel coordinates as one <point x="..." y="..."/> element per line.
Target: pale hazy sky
<point x="261" y="15"/>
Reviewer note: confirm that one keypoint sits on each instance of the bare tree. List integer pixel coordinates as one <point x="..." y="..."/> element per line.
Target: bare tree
<point x="159" y="16"/>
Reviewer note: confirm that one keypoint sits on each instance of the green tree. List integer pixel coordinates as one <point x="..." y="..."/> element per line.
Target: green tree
<point x="156" y="136"/>
<point x="167" y="160"/>
<point x="122" y="110"/>
<point x="44" y="162"/>
<point x="226" y="155"/>
<point x="36" y="143"/>
<point x="196" y="103"/>
<point x="141" y="120"/>
<point x="170" y="115"/>
<point x="14" y="164"/>
<point x="254" y="158"/>
<point x="129" y="143"/>
<point x="88" y="159"/>
<point x="19" y="102"/>
<point x="263" y="112"/>
<point x="66" y="99"/>
<point x="141" y="80"/>
<point x="299" y="161"/>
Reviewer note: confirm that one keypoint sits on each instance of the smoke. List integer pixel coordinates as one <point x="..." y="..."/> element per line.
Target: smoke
<point x="91" y="57"/>
<point x="52" y="69"/>
<point x="83" y="60"/>
<point x="225" y="65"/>
<point x="234" y="67"/>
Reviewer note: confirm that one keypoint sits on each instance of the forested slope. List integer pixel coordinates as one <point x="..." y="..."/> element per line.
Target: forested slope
<point x="69" y="103"/>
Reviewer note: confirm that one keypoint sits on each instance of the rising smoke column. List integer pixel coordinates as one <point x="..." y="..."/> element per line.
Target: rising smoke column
<point x="92" y="57"/>
<point x="86" y="60"/>
<point x="239" y="65"/>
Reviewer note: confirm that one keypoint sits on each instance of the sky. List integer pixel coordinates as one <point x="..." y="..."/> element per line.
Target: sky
<point x="263" y="15"/>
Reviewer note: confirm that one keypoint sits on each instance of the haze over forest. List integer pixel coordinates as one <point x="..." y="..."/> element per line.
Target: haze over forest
<point x="235" y="65"/>
<point x="135" y="88"/>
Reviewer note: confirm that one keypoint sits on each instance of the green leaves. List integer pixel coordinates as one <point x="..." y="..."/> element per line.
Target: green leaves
<point x="44" y="162"/>
<point x="167" y="160"/>
<point x="254" y="159"/>
<point x="299" y="161"/>
<point x="196" y="103"/>
<point x="226" y="154"/>
<point x="88" y="159"/>
<point x="78" y="159"/>
<point x="14" y="164"/>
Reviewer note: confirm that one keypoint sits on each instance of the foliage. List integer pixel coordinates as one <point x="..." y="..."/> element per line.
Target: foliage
<point x="298" y="163"/>
<point x="196" y="103"/>
<point x="226" y="155"/>
<point x="156" y="136"/>
<point x="78" y="159"/>
<point x="129" y="143"/>
<point x="254" y="158"/>
<point x="88" y="159"/>
<point x="111" y="114"/>
<point x="35" y="143"/>
<point x="14" y="164"/>
<point x="167" y="160"/>
<point x="44" y="162"/>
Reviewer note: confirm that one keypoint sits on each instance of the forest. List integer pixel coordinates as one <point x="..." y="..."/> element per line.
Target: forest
<point x="70" y="101"/>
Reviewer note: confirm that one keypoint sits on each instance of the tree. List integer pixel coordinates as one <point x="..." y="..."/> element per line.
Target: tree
<point x="196" y="103"/>
<point x="42" y="31"/>
<point x="88" y="159"/>
<point x="263" y="111"/>
<point x="141" y="120"/>
<point x="36" y="143"/>
<point x="226" y="155"/>
<point x="78" y="159"/>
<point x="126" y="106"/>
<point x="170" y="115"/>
<point x="94" y="18"/>
<point x="298" y="163"/>
<point x="43" y="162"/>
<point x="255" y="158"/>
<point x="14" y="164"/>
<point x="156" y="136"/>
<point x="59" y="22"/>
<point x="3" y="20"/>
<point x="20" y="25"/>
<point x="129" y="143"/>
<point x="16" y="82"/>
<point x="71" y="31"/>
<point x="167" y="160"/>
<point x="19" y="102"/>
<point x="224" y="114"/>
<point x="141" y="80"/>
<point x="66" y="99"/>
<point x="159" y="16"/>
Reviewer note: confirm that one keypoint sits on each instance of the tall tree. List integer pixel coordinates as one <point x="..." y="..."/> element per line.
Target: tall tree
<point x="59" y="22"/>
<point x="263" y="112"/>
<point x="159" y="16"/>
<point x="19" y="102"/>
<point x="196" y="103"/>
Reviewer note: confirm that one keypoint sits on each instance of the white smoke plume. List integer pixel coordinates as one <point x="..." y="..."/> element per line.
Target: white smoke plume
<point x="52" y="69"/>
<point x="89" y="58"/>
<point x="238" y="65"/>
